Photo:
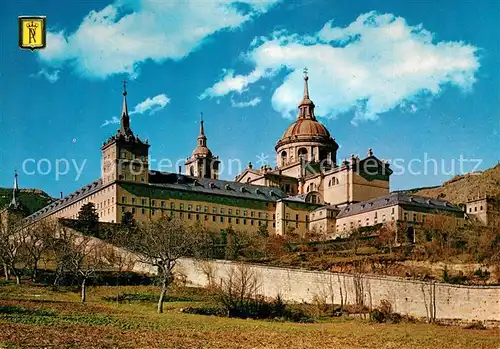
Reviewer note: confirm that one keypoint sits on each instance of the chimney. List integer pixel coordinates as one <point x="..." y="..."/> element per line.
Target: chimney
<point x="60" y="195"/>
<point x="180" y="170"/>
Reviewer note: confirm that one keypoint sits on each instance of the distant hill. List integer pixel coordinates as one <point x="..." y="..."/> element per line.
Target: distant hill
<point x="31" y="199"/>
<point x="461" y="189"/>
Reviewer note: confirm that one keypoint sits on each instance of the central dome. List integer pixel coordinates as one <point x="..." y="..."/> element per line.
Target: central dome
<point x="306" y="128"/>
<point x="306" y="138"/>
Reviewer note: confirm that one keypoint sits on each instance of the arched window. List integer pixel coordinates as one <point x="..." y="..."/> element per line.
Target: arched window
<point x="330" y="183"/>
<point x="302" y="153"/>
<point x="283" y="157"/>
<point x="191" y="171"/>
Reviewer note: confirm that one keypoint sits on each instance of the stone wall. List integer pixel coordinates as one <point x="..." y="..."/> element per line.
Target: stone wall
<point x="415" y="298"/>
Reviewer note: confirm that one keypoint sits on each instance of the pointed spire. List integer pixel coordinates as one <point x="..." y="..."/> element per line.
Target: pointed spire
<point x="125" y="119"/>
<point x="306" y="106"/>
<point x="15" y="200"/>
<point x="202" y="139"/>
<point x="306" y="84"/>
<point x="202" y="129"/>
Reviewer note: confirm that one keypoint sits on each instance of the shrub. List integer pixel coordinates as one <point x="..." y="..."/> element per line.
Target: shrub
<point x="476" y="326"/>
<point x="204" y="310"/>
<point x="384" y="314"/>
<point x="482" y="275"/>
<point x="455" y="279"/>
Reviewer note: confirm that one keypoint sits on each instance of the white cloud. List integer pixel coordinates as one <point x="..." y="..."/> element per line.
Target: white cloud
<point x="374" y="65"/>
<point x="114" y="120"/>
<point x="118" y="38"/>
<point x="51" y="76"/>
<point x="150" y="106"/>
<point x="231" y="83"/>
<point x="251" y="103"/>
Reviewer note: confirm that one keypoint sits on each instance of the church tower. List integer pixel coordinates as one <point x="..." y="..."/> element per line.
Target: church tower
<point x="125" y="157"/>
<point x="202" y="163"/>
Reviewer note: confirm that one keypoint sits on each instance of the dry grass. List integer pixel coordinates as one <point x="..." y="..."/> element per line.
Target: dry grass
<point x="39" y="316"/>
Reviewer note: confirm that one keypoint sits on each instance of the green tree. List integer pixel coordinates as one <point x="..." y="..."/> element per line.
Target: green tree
<point x="262" y="231"/>
<point x="128" y="221"/>
<point x="88" y="219"/>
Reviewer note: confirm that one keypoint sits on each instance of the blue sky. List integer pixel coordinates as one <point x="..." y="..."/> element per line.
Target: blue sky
<point x="412" y="80"/>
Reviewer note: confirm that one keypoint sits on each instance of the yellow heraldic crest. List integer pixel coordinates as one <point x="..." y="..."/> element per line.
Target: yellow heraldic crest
<point x="32" y="32"/>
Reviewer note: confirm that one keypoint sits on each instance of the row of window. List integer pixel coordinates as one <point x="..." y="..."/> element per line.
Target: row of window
<point x="125" y="155"/>
<point x="475" y="208"/>
<point x="197" y="216"/>
<point x="124" y="177"/>
<point x="198" y="208"/>
<point x="360" y="223"/>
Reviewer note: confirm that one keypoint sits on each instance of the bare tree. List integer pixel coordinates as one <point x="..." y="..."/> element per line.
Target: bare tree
<point x="61" y="249"/>
<point x="37" y="239"/>
<point x="160" y="244"/>
<point x="208" y="268"/>
<point x="12" y="251"/>
<point x="80" y="256"/>
<point x="238" y="289"/>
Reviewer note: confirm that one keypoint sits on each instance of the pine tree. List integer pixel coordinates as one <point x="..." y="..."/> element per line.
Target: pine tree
<point x="88" y="219"/>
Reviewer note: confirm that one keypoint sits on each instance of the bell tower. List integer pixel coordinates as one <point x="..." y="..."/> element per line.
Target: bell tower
<point x="202" y="162"/>
<point x="125" y="156"/>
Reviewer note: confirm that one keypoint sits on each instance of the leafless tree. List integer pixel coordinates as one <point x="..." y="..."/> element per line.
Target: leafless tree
<point x="160" y="244"/>
<point x="37" y="239"/>
<point x="61" y="249"/>
<point x="80" y="256"/>
<point x="12" y="251"/>
<point x="238" y="288"/>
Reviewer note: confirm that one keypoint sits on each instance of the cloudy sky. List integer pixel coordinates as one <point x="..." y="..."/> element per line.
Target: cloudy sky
<point x="416" y="81"/>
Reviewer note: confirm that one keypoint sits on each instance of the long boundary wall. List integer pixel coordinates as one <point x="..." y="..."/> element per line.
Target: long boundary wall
<point x="434" y="301"/>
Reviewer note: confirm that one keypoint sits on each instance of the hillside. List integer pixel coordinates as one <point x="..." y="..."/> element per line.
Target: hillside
<point x="31" y="199"/>
<point x="462" y="188"/>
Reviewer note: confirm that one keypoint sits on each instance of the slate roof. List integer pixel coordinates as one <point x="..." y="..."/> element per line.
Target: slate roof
<point x="297" y="198"/>
<point x="402" y="199"/>
<point x="179" y="182"/>
<point x="214" y="186"/>
<point x="89" y="189"/>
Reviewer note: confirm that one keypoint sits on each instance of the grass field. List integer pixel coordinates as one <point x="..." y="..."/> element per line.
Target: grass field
<point x="38" y="316"/>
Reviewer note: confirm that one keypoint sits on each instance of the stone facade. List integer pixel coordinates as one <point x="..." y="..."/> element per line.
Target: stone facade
<point x="307" y="190"/>
<point x="484" y="210"/>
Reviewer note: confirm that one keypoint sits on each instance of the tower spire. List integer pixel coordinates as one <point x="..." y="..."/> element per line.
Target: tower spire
<point x="202" y="139"/>
<point x="202" y="129"/>
<point x="306" y="84"/>
<point x="125" y="119"/>
<point x="306" y="106"/>
<point x="14" y="203"/>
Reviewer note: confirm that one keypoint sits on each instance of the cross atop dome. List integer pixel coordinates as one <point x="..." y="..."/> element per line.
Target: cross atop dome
<point x="306" y="106"/>
<point x="306" y="85"/>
